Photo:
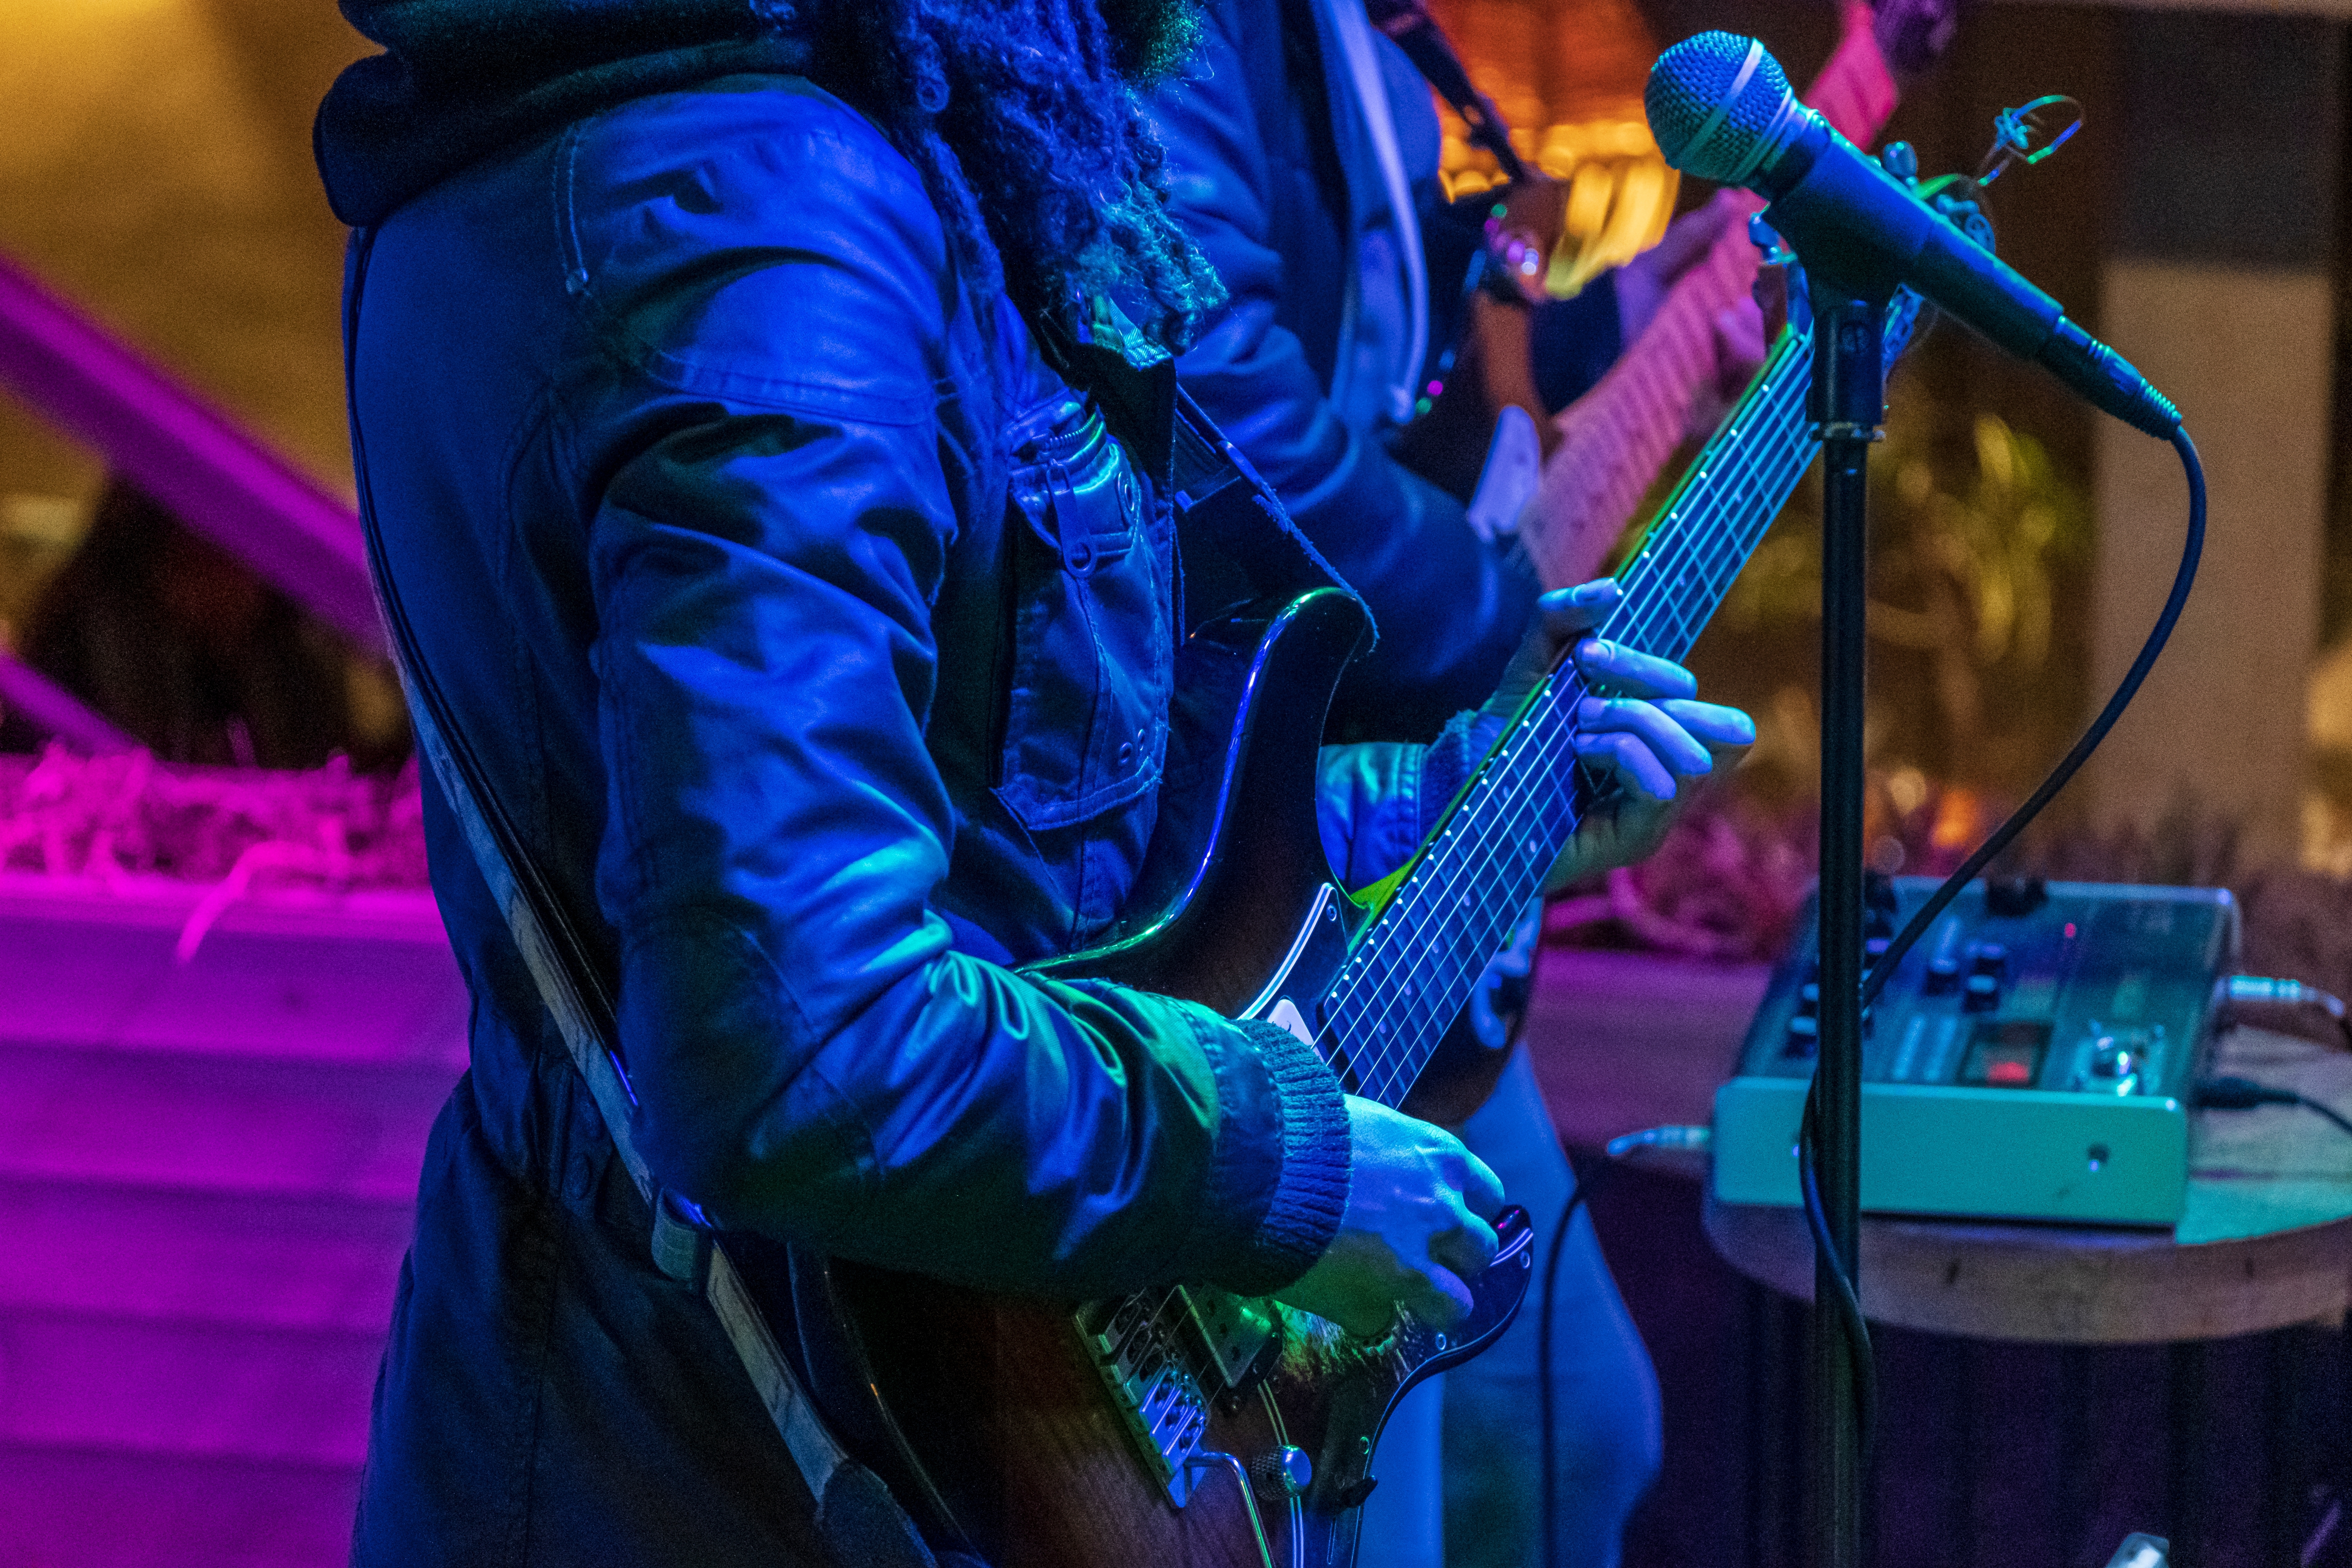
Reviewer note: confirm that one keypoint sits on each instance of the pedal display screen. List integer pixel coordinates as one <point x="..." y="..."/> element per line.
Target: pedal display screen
<point x="2006" y="1055"/>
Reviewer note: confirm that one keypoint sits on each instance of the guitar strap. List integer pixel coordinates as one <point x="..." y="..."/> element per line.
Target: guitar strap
<point x="1413" y="30"/>
<point x="858" y="1520"/>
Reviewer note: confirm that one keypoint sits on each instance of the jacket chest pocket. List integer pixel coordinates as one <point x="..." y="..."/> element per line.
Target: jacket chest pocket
<point x="1091" y="568"/>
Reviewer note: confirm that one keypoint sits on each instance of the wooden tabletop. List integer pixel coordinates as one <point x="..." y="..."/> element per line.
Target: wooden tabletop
<point x="2266" y="1239"/>
<point x="1624" y="1041"/>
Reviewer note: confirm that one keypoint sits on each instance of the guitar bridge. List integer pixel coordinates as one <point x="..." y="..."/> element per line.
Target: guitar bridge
<point x="1133" y="1346"/>
<point x="1240" y="1335"/>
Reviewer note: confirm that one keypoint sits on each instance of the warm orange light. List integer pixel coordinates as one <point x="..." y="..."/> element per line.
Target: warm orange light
<point x="1567" y="78"/>
<point x="1959" y="819"/>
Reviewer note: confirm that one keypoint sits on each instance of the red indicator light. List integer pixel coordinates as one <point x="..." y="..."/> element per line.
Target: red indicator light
<point x="2070" y="931"/>
<point x="2007" y="1075"/>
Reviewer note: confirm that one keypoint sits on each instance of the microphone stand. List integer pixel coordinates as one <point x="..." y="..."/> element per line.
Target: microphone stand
<point x="1849" y="406"/>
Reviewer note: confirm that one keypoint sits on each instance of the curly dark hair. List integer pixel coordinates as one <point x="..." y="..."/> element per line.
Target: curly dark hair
<point x="1027" y="120"/>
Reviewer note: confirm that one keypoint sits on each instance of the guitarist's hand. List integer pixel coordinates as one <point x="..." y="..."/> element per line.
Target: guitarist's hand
<point x="1415" y="1228"/>
<point x="1645" y="734"/>
<point x="1741" y="343"/>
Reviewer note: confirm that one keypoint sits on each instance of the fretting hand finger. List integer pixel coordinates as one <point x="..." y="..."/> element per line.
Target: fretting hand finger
<point x="1739" y="347"/>
<point x="1718" y="728"/>
<point x="1568" y="614"/>
<point x="1562" y="616"/>
<point x="1677" y="751"/>
<point x="1627" y="672"/>
<point x="1642" y="284"/>
<point x="1625" y="760"/>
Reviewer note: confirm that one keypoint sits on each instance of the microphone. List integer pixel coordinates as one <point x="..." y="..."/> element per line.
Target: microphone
<point x="1721" y="108"/>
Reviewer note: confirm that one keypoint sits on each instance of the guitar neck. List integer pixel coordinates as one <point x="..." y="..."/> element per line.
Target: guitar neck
<point x="1615" y="440"/>
<point x="1412" y="967"/>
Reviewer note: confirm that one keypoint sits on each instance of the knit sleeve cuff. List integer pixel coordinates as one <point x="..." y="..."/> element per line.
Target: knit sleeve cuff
<point x="1267" y="1220"/>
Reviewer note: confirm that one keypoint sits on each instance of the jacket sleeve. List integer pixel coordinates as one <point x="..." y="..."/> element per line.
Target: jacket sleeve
<point x="1450" y="608"/>
<point x="1375" y="803"/>
<point x="772" y="507"/>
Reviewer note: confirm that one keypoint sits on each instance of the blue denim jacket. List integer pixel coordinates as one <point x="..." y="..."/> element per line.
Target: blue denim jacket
<point x="820" y="640"/>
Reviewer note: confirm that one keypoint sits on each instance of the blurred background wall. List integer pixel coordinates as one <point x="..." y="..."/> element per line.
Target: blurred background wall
<point x="156" y="169"/>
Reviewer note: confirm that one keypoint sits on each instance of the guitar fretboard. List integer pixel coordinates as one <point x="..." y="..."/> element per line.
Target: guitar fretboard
<point x="1411" y="970"/>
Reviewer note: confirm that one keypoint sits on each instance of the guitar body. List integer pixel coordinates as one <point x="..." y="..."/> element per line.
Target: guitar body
<point x="998" y="1420"/>
<point x="997" y="1404"/>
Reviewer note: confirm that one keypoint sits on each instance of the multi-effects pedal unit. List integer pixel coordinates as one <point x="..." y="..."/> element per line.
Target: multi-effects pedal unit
<point x="2033" y="1058"/>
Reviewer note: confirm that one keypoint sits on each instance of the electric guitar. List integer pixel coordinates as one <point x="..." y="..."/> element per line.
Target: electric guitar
<point x="1186" y="1425"/>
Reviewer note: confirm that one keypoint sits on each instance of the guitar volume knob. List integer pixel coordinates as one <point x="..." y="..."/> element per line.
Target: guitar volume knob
<point x="1281" y="1474"/>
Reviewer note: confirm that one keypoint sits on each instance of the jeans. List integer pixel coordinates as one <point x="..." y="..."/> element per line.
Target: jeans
<point x="1481" y="1507"/>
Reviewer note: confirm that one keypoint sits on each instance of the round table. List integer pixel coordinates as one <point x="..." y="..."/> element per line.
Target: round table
<point x="2265" y="1240"/>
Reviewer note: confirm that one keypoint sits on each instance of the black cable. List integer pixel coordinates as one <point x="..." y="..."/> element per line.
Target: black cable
<point x="1849" y="1307"/>
<point x="1848" y="1304"/>
<point x="1850" y="1322"/>
<point x="2244" y="1094"/>
<point x="2192" y="548"/>
<point x="1586" y="1181"/>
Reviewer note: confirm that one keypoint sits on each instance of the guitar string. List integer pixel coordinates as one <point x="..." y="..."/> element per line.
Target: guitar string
<point x="1692" y="543"/>
<point x="1397" y="1055"/>
<point x="1679" y="554"/>
<point x="1716" y="262"/>
<point x="1165" y="1337"/>
<point x="1683" y="325"/>
<point x="1678" y="557"/>
<point x="1716" y="565"/>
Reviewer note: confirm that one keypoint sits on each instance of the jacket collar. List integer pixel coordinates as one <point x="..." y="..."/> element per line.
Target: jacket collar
<point x="460" y="80"/>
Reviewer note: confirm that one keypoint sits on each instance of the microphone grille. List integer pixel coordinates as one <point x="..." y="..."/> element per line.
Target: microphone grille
<point x="1707" y="121"/>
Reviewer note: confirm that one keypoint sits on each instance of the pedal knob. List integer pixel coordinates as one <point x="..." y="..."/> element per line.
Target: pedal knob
<point x="1942" y="977"/>
<point x="1281" y="1474"/>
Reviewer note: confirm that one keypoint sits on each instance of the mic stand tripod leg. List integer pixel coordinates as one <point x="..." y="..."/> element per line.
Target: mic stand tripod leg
<point x="1849" y="404"/>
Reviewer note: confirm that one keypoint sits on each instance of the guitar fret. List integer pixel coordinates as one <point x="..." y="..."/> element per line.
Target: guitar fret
<point x="1426" y="947"/>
